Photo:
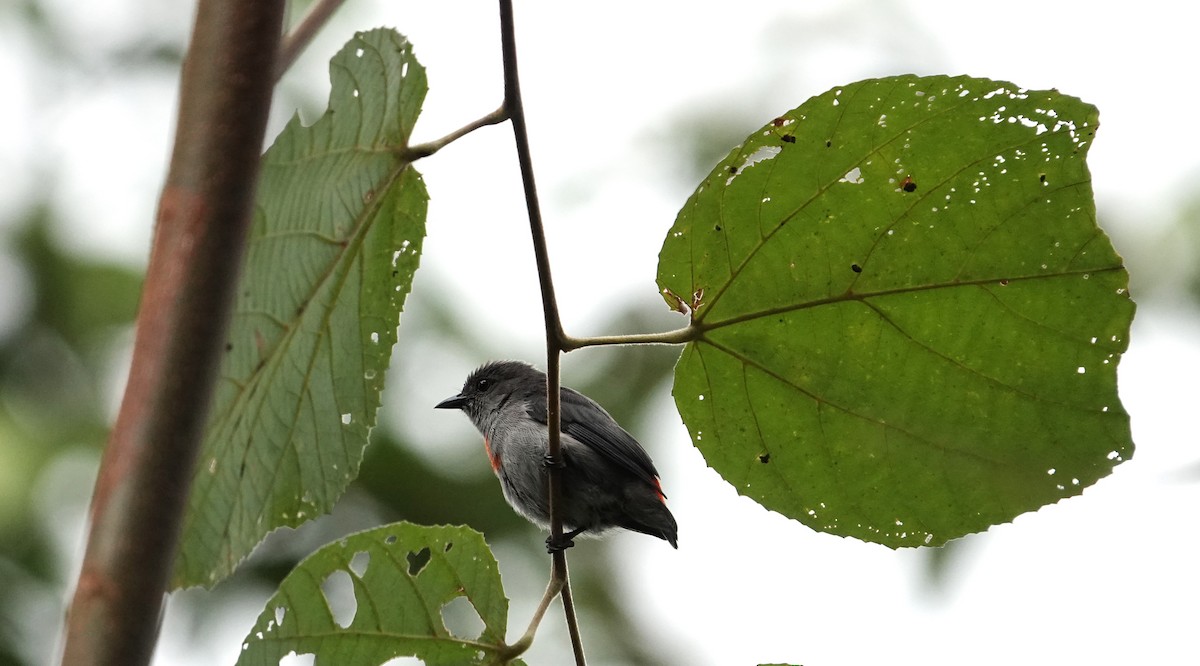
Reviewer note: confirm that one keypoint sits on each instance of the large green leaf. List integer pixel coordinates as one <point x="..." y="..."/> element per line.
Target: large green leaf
<point x="396" y="586"/>
<point x="336" y="238"/>
<point x="909" y="322"/>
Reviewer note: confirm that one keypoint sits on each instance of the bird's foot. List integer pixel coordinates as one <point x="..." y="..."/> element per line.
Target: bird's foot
<point x="564" y="541"/>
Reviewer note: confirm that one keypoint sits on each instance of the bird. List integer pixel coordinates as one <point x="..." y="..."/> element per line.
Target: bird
<point x="608" y="479"/>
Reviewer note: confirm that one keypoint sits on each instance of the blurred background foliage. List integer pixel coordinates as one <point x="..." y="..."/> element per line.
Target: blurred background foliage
<point x="65" y="333"/>
<point x="56" y="362"/>
<point x="60" y="364"/>
<point x="66" y="320"/>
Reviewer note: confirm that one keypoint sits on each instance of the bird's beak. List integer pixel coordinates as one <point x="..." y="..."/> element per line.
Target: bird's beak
<point x="454" y="402"/>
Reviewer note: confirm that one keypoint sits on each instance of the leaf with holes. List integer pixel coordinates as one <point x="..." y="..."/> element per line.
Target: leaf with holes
<point x="336" y="238"/>
<point x="384" y="593"/>
<point x="908" y="322"/>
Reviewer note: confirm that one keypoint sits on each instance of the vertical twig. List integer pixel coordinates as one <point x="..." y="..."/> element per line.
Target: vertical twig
<point x="203" y="215"/>
<point x="572" y="621"/>
<point x="554" y="331"/>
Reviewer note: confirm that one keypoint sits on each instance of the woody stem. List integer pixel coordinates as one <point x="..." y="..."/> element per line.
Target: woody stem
<point x="555" y="337"/>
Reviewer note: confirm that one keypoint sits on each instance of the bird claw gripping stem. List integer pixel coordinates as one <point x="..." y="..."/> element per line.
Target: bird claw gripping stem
<point x="564" y="541"/>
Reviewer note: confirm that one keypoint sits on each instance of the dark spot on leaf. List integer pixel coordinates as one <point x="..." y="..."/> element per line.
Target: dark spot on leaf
<point x="788" y="138"/>
<point x="856" y="268"/>
<point x="1042" y="177"/>
<point x="228" y="346"/>
<point x="764" y="458"/>
<point x="908" y="185"/>
<point x="449" y="545"/>
<point x="779" y="122"/>
<point x="1004" y="283"/>
<point x="732" y="169"/>
<point x="716" y="227"/>
<point x="828" y="143"/>
<point x="417" y="561"/>
<point x="390" y="539"/>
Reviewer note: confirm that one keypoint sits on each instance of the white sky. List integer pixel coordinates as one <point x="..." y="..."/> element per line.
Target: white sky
<point x="1110" y="577"/>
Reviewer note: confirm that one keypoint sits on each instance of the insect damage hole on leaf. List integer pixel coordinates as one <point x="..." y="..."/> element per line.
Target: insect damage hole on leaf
<point x="761" y="154"/>
<point x="358" y="563"/>
<point x="676" y="302"/>
<point x="417" y="561"/>
<point x="462" y="620"/>
<point x="338" y="590"/>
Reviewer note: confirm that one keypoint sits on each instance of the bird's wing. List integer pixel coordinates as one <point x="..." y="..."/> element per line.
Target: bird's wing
<point x="587" y="422"/>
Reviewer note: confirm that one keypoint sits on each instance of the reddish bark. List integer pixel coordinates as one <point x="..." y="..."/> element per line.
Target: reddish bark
<point x="203" y="217"/>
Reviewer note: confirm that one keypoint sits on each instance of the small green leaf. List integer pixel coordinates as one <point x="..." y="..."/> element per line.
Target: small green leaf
<point x="909" y="322"/>
<point x="336" y="238"/>
<point x="391" y="587"/>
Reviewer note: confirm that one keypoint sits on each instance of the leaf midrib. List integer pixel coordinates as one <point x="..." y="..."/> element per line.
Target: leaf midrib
<point x="850" y="295"/>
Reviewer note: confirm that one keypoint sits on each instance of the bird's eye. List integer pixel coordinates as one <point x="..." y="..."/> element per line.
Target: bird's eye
<point x="483" y="385"/>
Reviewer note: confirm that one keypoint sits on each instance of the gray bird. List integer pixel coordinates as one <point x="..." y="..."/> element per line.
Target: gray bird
<point x="608" y="480"/>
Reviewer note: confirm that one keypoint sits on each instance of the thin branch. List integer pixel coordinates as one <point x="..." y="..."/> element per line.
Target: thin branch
<point x="516" y="112"/>
<point x="572" y="620"/>
<point x="554" y="330"/>
<point x="552" y="589"/>
<point x="202" y="222"/>
<point x="299" y="38"/>
<point x="414" y="153"/>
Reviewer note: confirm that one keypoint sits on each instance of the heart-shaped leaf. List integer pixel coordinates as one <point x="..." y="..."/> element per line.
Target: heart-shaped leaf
<point x="908" y="322"/>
